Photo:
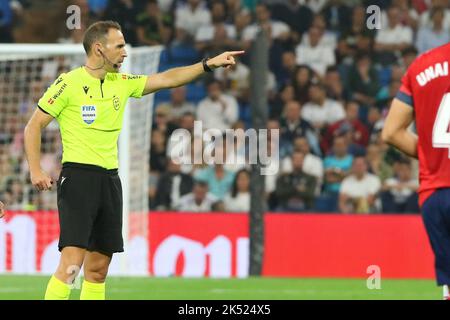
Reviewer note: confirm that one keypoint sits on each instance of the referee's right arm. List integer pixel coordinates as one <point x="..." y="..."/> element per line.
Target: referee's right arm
<point x="32" y="140"/>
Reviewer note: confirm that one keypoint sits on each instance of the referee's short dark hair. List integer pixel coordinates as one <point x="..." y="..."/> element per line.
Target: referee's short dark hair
<point x="97" y="32"/>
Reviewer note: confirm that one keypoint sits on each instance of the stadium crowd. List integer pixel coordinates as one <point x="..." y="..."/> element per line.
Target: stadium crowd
<point x="332" y="78"/>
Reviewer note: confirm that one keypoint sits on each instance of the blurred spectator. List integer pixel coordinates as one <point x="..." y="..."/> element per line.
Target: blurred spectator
<point x="314" y="54"/>
<point x="240" y="22"/>
<point x="287" y="70"/>
<point x="274" y="30"/>
<point x="363" y="80"/>
<point x="125" y="13"/>
<point x="387" y="94"/>
<point x="285" y="95"/>
<point x="162" y="122"/>
<point x="375" y="123"/>
<point x="234" y="9"/>
<point x="14" y="196"/>
<point x="392" y="39"/>
<point x="236" y="149"/>
<point x="337" y="165"/>
<point x="295" y="191"/>
<point x="189" y="18"/>
<point x="327" y="38"/>
<point x="295" y="14"/>
<point x="178" y="104"/>
<point x="301" y="80"/>
<point x="218" y="178"/>
<point x="320" y="110"/>
<point x="153" y="26"/>
<point x="429" y="38"/>
<point x="408" y="56"/>
<point x="359" y="130"/>
<point x="312" y="164"/>
<point x="217" y="110"/>
<point x="172" y="185"/>
<point x="187" y="121"/>
<point x="337" y="15"/>
<point x="199" y="200"/>
<point x="236" y="80"/>
<point x="359" y="191"/>
<point x="216" y="37"/>
<point x="407" y="14"/>
<point x="347" y="131"/>
<point x="238" y="200"/>
<point x="335" y="87"/>
<point x="425" y="18"/>
<point x="6" y="21"/>
<point x="158" y="158"/>
<point x="376" y="161"/>
<point x="355" y="37"/>
<point x="400" y="191"/>
<point x="293" y="125"/>
<point x="420" y="5"/>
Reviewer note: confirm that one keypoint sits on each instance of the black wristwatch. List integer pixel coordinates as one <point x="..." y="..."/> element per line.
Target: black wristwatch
<point x="206" y="68"/>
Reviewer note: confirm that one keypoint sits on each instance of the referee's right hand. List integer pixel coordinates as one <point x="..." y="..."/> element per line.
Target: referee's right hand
<point x="41" y="180"/>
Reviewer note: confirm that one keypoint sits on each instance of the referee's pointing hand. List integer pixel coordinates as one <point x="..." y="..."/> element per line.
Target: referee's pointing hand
<point x="225" y="59"/>
<point x="41" y="180"/>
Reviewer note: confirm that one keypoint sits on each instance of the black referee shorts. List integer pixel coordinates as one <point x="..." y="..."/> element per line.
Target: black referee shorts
<point x="90" y="208"/>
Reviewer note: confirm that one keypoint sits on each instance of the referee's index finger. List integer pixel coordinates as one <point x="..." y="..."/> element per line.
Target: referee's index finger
<point x="235" y="53"/>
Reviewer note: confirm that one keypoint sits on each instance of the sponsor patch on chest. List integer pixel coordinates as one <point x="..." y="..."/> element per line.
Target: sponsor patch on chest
<point x="88" y="113"/>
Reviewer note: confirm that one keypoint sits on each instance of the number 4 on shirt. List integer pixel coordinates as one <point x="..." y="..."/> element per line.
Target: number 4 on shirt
<point x="441" y="134"/>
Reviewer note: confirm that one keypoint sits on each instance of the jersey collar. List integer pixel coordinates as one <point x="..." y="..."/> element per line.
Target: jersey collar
<point x="88" y="77"/>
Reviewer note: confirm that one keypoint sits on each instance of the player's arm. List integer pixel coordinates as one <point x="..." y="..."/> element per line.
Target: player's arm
<point x="395" y="131"/>
<point x="2" y="209"/>
<point x="32" y="139"/>
<point x="176" y="77"/>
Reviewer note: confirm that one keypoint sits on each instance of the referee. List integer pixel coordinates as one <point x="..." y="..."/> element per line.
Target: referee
<point x="88" y="103"/>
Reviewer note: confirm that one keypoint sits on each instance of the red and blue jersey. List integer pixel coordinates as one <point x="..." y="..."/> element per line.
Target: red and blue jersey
<point x="426" y="88"/>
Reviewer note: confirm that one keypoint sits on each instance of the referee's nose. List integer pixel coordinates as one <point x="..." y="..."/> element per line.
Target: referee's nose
<point x="124" y="53"/>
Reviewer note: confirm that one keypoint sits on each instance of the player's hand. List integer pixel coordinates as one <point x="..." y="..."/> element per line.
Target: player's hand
<point x="41" y="180"/>
<point x="225" y="59"/>
<point x="2" y="209"/>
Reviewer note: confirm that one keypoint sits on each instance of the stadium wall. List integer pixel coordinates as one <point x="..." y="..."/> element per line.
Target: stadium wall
<point x="217" y="245"/>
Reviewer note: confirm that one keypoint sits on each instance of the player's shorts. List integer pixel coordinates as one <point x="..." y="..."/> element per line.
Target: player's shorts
<point x="90" y="208"/>
<point x="436" y="217"/>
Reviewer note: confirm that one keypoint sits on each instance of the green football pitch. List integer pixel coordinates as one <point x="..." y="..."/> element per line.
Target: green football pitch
<point x="33" y="287"/>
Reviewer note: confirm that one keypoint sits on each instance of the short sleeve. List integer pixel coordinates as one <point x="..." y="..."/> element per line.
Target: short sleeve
<point x="375" y="185"/>
<point x="345" y="187"/>
<point x="55" y="98"/>
<point x="135" y="84"/>
<point x="404" y="94"/>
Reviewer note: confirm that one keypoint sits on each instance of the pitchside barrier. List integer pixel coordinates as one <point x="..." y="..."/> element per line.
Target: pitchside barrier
<point x="217" y="245"/>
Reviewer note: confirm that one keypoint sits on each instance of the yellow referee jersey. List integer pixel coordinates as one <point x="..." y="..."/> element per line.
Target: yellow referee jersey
<point x="90" y="113"/>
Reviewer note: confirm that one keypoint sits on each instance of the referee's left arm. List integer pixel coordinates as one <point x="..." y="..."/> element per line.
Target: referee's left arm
<point x="182" y="75"/>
